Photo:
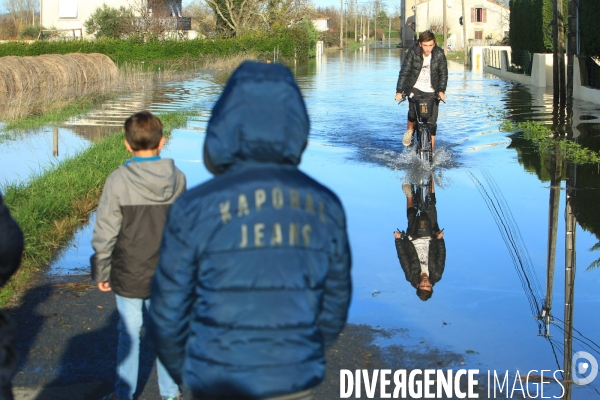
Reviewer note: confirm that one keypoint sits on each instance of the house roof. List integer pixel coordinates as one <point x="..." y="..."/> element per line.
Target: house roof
<point x="321" y="16"/>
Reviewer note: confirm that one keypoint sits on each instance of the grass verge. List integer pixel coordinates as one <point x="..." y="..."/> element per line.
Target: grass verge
<point x="51" y="206"/>
<point x="544" y="139"/>
<point x="59" y="114"/>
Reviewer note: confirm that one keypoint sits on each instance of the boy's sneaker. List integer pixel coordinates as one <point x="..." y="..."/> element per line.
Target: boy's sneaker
<point x="407" y="189"/>
<point x="177" y="397"/>
<point x="407" y="138"/>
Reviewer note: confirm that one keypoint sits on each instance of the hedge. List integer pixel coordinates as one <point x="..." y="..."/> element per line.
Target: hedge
<point x="293" y="42"/>
<point x="589" y="15"/>
<point x="530" y="24"/>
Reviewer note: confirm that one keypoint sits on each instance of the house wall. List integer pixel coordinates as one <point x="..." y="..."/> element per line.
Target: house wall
<point x="428" y="11"/>
<point x="321" y="24"/>
<point x="71" y="14"/>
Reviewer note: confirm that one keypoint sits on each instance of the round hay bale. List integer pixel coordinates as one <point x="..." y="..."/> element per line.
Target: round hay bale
<point x="53" y="76"/>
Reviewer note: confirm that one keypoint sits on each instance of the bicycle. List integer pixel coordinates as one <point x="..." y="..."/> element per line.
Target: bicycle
<point x="422" y="130"/>
<point x="422" y="201"/>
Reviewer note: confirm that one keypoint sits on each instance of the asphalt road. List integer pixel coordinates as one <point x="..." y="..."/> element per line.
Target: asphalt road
<point x="68" y="337"/>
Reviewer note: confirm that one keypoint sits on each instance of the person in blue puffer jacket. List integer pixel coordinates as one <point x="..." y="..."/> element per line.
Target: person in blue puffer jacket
<point x="253" y="280"/>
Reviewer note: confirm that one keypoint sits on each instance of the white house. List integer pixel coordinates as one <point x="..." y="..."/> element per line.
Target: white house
<point x="71" y="14"/>
<point x="321" y="22"/>
<point x="486" y="21"/>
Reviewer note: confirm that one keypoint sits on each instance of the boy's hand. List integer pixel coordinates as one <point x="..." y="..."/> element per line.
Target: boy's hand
<point x="397" y="235"/>
<point x="104" y="286"/>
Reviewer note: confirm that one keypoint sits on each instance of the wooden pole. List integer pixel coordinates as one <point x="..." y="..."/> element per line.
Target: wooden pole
<point x="341" y="24"/>
<point x="445" y="44"/>
<point x="55" y="142"/>
<point x="571" y="50"/>
<point x="555" y="179"/>
<point x="570" y="264"/>
<point x="464" y="22"/>
<point x="559" y="61"/>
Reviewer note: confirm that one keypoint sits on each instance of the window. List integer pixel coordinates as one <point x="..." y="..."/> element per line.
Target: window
<point x="478" y="14"/>
<point x="478" y="35"/>
<point x="67" y="9"/>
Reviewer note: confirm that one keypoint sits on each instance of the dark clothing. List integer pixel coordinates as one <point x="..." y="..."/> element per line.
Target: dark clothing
<point x="432" y="118"/>
<point x="421" y="225"/>
<point x="254" y="274"/>
<point x="11" y="244"/>
<point x="129" y="222"/>
<point x="11" y="251"/>
<point x="411" y="67"/>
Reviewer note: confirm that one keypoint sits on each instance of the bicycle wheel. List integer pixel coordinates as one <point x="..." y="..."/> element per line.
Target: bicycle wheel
<point x="425" y="154"/>
<point x="417" y="139"/>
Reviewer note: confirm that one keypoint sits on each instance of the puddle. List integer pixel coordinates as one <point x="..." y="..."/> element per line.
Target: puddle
<point x="481" y="307"/>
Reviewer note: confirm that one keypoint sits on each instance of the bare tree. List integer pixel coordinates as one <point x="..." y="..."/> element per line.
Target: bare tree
<point x="152" y="18"/>
<point x="237" y="16"/>
<point x="22" y="11"/>
<point x="285" y="13"/>
<point x="203" y="17"/>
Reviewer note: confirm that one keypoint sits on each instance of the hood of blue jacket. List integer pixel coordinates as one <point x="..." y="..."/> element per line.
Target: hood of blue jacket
<point x="259" y="118"/>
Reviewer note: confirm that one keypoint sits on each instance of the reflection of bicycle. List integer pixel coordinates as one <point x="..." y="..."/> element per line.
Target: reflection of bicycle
<point x="422" y="201"/>
<point x="422" y="131"/>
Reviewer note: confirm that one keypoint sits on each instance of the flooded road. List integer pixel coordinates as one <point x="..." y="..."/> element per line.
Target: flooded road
<point x="492" y="194"/>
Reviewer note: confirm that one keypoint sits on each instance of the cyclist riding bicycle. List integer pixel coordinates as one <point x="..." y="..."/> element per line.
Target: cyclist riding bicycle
<point x="424" y="72"/>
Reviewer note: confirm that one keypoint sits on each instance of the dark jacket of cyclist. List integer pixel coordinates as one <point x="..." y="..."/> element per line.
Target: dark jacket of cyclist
<point x="411" y="67"/>
<point x="409" y="260"/>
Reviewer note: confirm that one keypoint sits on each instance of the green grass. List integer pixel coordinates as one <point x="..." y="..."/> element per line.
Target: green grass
<point x="545" y="140"/>
<point x="51" y="206"/>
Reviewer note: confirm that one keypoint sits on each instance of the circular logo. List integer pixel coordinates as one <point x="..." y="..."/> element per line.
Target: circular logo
<point x="583" y="363"/>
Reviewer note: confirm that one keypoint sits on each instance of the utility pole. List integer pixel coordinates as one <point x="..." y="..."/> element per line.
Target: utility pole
<point x="355" y="21"/>
<point x="445" y="44"/>
<point x="570" y="228"/>
<point x="555" y="178"/>
<point x="464" y="24"/>
<point x="571" y="50"/>
<point x="559" y="59"/>
<point x="341" y="24"/>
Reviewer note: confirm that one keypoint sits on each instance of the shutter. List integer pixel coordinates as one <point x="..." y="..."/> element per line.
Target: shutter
<point x="484" y="15"/>
<point x="473" y="15"/>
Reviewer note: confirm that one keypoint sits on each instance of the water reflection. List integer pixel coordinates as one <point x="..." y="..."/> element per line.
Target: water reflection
<point x="421" y="248"/>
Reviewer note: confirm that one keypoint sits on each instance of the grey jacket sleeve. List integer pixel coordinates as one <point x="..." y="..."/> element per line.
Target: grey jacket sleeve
<point x="106" y="230"/>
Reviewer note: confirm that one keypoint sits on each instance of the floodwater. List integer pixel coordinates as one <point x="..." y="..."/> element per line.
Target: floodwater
<point x="492" y="193"/>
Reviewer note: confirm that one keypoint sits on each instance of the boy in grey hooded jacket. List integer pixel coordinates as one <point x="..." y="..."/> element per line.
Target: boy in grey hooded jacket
<point x="129" y="223"/>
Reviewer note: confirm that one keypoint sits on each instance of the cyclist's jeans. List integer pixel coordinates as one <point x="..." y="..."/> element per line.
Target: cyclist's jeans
<point x="432" y="120"/>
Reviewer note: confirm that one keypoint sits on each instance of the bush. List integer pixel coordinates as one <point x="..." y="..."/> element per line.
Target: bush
<point x="30" y="32"/>
<point x="109" y="22"/>
<point x="330" y="39"/>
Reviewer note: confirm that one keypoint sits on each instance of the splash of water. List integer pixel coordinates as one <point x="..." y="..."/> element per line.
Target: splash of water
<point x="408" y="159"/>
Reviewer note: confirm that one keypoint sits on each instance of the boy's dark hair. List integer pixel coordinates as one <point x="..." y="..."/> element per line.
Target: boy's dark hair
<point x="424" y="294"/>
<point x="427" y="36"/>
<point x="143" y="131"/>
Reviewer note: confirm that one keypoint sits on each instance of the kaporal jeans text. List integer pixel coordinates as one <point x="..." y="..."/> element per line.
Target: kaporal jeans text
<point x="436" y="384"/>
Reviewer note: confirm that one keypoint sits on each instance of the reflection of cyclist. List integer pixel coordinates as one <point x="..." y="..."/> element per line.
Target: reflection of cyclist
<point x="421" y="249"/>
<point x="424" y="72"/>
